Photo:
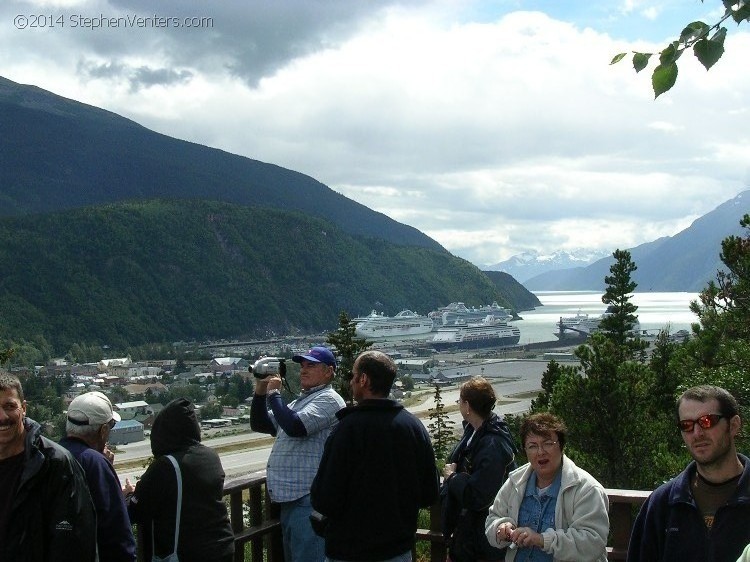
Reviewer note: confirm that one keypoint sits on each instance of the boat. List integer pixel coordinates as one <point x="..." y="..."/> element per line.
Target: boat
<point x="405" y="323"/>
<point x="459" y="312"/>
<point x="583" y="325"/>
<point x="490" y="332"/>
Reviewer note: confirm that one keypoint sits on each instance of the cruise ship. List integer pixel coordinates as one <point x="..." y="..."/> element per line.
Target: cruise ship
<point x="459" y="312"/>
<point x="490" y="332"/>
<point x="405" y="323"/>
<point x="583" y="325"/>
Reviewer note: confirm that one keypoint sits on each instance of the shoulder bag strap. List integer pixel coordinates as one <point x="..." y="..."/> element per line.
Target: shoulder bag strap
<point x="179" y="506"/>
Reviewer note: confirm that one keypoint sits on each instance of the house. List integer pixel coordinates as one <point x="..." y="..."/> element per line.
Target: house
<point x="134" y="390"/>
<point x="224" y="364"/>
<point x="128" y="410"/>
<point x="126" y="431"/>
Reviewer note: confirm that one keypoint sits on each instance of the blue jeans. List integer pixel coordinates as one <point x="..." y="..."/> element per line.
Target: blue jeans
<point x="301" y="544"/>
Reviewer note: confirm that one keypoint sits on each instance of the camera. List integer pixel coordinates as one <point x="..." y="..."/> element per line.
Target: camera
<point x="268" y="366"/>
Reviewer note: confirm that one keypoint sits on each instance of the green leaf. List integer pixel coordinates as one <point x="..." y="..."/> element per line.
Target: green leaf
<point x="663" y="78"/>
<point x="708" y="52"/>
<point x="742" y="14"/>
<point x="671" y="53"/>
<point x="617" y="58"/>
<point x="640" y="61"/>
<point x="694" y="31"/>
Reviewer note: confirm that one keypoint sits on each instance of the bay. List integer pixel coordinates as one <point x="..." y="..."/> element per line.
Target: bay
<point x="656" y="311"/>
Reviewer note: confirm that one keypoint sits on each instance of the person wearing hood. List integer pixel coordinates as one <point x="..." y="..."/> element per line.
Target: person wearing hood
<point x="476" y="468"/>
<point x="205" y="533"/>
<point x="378" y="469"/>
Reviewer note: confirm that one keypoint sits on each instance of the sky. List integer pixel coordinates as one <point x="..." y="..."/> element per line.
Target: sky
<point x="495" y="127"/>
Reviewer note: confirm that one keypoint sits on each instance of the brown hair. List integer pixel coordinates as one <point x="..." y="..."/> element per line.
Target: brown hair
<point x="544" y="423"/>
<point x="480" y="395"/>
<point x="706" y="392"/>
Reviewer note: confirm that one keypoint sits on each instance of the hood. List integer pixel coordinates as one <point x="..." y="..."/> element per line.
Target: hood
<point x="495" y="425"/>
<point x="175" y="428"/>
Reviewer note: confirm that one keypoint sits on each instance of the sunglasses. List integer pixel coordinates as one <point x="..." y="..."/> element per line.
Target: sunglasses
<point x="706" y="422"/>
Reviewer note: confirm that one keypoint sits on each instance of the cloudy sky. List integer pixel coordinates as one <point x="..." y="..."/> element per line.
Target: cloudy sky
<point x="493" y="126"/>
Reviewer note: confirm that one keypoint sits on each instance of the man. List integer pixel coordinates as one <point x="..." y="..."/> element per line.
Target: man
<point x="703" y="514"/>
<point x="301" y="430"/>
<point x="378" y="469"/>
<point x="90" y="419"/>
<point x="46" y="513"/>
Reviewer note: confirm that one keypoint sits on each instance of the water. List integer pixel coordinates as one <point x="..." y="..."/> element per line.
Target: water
<point x="655" y="311"/>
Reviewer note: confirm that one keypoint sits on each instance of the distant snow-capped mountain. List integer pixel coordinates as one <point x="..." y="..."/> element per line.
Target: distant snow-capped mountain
<point x="532" y="263"/>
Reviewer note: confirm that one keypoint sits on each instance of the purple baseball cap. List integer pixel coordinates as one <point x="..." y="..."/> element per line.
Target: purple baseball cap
<point x="317" y="354"/>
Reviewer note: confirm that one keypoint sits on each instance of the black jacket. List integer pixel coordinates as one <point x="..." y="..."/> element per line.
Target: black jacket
<point x="378" y="469"/>
<point x="52" y="518"/>
<point x="205" y="532"/>
<point x="483" y="462"/>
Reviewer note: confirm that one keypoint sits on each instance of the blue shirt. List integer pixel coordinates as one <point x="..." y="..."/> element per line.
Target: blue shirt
<point x="113" y="531"/>
<point x="294" y="461"/>
<point x="537" y="512"/>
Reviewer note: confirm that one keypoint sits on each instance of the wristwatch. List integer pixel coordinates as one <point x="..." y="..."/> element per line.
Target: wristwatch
<point x="272" y="392"/>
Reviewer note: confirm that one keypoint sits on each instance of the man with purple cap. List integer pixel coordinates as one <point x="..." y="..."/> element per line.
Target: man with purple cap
<point x="90" y="420"/>
<point x="301" y="429"/>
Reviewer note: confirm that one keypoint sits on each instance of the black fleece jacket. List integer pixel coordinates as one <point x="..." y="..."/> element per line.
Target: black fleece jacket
<point x="205" y="531"/>
<point x="378" y="469"/>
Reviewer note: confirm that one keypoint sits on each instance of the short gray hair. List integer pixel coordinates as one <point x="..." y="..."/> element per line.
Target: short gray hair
<point x="82" y="431"/>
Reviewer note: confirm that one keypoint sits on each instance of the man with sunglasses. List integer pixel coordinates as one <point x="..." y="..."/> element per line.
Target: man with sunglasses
<point x="90" y="421"/>
<point x="703" y="514"/>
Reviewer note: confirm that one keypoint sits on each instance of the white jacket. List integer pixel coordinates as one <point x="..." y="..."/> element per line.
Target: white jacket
<point x="581" y="515"/>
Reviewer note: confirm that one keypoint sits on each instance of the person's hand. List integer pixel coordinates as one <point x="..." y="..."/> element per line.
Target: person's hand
<point x="109" y="454"/>
<point x="261" y="386"/>
<point x="449" y="470"/>
<point x="128" y="488"/>
<point x="525" y="537"/>
<point x="274" y="383"/>
<point x="503" y="531"/>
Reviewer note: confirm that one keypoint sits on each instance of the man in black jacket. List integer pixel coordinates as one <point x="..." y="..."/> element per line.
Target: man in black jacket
<point x="378" y="469"/>
<point x="46" y="512"/>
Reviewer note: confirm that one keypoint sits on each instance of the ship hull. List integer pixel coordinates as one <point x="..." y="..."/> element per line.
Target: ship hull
<point x="477" y="343"/>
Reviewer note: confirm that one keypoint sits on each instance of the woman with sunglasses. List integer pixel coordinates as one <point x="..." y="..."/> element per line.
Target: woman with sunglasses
<point x="549" y="509"/>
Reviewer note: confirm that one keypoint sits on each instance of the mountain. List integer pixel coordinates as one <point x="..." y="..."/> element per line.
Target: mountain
<point x="113" y="234"/>
<point x="529" y="264"/>
<point x="513" y="291"/>
<point x="56" y="154"/>
<point x="164" y="270"/>
<point x="686" y="261"/>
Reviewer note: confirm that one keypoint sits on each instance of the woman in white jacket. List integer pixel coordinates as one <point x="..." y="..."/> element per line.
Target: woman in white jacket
<point x="549" y="509"/>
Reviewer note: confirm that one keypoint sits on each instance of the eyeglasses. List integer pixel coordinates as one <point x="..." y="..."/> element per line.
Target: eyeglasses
<point x="533" y="449"/>
<point x="111" y="423"/>
<point x="706" y="422"/>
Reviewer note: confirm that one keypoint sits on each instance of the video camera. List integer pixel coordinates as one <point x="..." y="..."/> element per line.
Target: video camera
<point x="268" y="366"/>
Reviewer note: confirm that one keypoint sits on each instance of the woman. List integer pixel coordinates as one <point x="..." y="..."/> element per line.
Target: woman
<point x="475" y="471"/>
<point x="549" y="509"/>
<point x="205" y="534"/>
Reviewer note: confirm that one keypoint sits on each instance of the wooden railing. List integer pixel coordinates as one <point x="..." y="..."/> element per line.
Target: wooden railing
<point x="257" y="531"/>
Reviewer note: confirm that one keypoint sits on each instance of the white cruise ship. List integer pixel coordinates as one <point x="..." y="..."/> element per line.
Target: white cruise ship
<point x="583" y="325"/>
<point x="490" y="332"/>
<point x="459" y="312"/>
<point x="405" y="323"/>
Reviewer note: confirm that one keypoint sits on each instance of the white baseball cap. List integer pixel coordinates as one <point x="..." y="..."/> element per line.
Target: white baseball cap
<point x="92" y="408"/>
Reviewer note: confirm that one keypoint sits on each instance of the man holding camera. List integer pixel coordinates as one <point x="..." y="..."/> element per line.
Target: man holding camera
<point x="301" y="430"/>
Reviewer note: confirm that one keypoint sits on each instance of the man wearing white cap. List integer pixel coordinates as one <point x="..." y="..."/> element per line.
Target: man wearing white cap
<point x="301" y="430"/>
<point x="90" y="420"/>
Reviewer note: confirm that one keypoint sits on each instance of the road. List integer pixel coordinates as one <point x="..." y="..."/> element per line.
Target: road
<point x="509" y="378"/>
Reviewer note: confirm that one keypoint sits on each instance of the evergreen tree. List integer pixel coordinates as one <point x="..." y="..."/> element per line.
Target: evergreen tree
<point x="440" y="428"/>
<point x="607" y="402"/>
<point x="347" y="345"/>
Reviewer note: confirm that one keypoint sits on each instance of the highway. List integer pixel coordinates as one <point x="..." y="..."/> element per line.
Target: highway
<point x="515" y="380"/>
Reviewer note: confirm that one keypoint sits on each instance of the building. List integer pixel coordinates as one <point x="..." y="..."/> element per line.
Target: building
<point x="126" y="431"/>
